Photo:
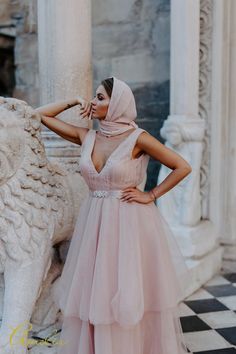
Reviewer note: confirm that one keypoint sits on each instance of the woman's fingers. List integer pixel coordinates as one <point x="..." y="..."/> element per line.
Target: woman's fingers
<point x="127" y="196"/>
<point x="90" y="114"/>
<point x="89" y="111"/>
<point x="85" y="109"/>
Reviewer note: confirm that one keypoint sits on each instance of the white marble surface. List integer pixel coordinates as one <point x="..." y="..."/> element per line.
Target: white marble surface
<point x="219" y="319"/>
<point x="205" y="340"/>
<point x="229" y="301"/>
<point x="200" y="294"/>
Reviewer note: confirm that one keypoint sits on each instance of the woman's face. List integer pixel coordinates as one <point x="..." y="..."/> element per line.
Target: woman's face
<point x="100" y="103"/>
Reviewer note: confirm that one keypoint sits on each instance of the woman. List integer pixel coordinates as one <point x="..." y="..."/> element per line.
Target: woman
<point x="120" y="284"/>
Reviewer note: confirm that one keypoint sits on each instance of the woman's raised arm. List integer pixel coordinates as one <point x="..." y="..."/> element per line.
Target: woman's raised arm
<point x="65" y="130"/>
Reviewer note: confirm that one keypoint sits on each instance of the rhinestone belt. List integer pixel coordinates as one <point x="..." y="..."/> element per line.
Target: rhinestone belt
<point x="104" y="194"/>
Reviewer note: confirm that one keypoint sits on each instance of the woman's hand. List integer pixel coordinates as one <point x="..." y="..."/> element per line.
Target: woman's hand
<point x="86" y="108"/>
<point x="133" y="194"/>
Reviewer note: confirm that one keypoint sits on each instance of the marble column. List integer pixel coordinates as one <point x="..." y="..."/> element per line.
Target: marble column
<point x="64" y="35"/>
<point x="184" y="132"/>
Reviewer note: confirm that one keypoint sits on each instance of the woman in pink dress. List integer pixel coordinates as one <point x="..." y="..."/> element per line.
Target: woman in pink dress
<point x="121" y="283"/>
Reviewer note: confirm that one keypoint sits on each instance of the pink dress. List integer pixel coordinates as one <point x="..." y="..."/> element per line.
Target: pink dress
<point x="120" y="284"/>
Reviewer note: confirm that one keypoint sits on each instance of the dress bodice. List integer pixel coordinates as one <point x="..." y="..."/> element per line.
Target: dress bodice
<point x="121" y="170"/>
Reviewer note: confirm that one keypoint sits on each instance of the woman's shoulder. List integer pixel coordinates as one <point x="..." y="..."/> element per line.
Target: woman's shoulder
<point x="142" y="133"/>
<point x="144" y="138"/>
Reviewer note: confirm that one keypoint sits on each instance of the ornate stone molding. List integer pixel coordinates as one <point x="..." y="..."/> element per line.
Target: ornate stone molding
<point x="205" y="81"/>
<point x="181" y="205"/>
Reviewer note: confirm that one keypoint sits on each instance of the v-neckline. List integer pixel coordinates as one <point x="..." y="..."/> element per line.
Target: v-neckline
<point x="109" y="157"/>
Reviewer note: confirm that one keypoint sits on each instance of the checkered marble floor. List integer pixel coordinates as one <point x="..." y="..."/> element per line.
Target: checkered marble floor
<point x="208" y="317"/>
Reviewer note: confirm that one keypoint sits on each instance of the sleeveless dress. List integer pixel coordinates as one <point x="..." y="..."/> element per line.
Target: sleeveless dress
<point x="121" y="282"/>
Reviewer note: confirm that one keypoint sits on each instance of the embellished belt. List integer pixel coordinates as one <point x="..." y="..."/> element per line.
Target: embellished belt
<point x="107" y="193"/>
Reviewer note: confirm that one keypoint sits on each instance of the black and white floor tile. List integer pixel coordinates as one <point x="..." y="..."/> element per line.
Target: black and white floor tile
<point x="208" y="317"/>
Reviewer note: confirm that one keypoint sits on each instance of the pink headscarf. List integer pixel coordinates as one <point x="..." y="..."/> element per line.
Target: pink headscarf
<point x="121" y="111"/>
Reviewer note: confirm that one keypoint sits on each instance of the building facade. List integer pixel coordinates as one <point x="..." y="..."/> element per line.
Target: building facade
<point x="179" y="58"/>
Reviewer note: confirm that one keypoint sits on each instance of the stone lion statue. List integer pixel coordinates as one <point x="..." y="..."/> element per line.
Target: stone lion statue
<point x="39" y="202"/>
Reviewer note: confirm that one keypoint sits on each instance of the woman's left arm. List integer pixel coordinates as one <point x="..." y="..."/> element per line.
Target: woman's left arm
<point x="180" y="169"/>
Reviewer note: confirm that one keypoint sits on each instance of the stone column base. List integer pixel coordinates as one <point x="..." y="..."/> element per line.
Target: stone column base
<point x="203" y="269"/>
<point x="200" y="246"/>
<point x="196" y="241"/>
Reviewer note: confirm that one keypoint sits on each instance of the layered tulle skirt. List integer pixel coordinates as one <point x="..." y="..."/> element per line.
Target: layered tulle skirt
<point x="121" y="282"/>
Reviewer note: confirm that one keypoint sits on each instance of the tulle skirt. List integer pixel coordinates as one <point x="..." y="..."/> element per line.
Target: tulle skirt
<point x="121" y="282"/>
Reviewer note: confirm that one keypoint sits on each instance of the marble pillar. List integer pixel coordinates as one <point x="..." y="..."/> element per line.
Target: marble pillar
<point x="64" y="35"/>
<point x="227" y="129"/>
<point x="184" y="132"/>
